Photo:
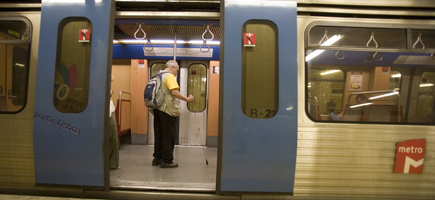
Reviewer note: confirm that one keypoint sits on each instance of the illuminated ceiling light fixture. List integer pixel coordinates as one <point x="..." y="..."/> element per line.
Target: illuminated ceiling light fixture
<point x="329" y="72"/>
<point x="328" y="42"/>
<point x="192" y="42"/>
<point x="359" y="105"/>
<point x="426" y="85"/>
<point x="396" y="75"/>
<point x="384" y="95"/>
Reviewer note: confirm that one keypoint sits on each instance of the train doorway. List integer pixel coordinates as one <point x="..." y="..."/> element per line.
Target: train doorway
<point x="196" y="149"/>
<point x="196" y="154"/>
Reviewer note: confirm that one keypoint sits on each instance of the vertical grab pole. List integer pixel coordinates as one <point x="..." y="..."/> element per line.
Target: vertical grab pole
<point x="175" y="45"/>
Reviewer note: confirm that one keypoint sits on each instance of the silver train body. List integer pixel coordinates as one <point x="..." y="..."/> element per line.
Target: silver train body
<point x="336" y="159"/>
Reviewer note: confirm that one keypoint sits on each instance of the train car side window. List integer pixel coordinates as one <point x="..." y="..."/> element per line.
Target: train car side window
<point x="71" y="78"/>
<point x="197" y="86"/>
<point x="259" y="69"/>
<point x="374" y="75"/>
<point x="15" y="40"/>
<point x="425" y="99"/>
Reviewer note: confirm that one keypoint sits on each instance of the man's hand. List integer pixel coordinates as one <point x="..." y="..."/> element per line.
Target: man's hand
<point x="190" y="98"/>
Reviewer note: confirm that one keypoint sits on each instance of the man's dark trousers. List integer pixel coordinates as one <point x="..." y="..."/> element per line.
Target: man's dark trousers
<point x="164" y="135"/>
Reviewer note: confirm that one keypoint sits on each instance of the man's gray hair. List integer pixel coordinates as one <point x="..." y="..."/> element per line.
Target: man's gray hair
<point x="172" y="64"/>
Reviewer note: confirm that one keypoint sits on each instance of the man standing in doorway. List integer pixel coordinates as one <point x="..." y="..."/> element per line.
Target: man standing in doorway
<point x="165" y="117"/>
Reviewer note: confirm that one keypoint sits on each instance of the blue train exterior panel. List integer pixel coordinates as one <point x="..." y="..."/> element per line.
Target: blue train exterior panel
<point x="68" y="146"/>
<point x="258" y="155"/>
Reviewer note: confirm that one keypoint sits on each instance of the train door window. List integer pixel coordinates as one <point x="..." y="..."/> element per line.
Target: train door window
<point x="197" y="86"/>
<point x="395" y="80"/>
<point x="425" y="99"/>
<point x="325" y="90"/>
<point x="259" y="69"/>
<point x="71" y="78"/>
<point x="15" y="40"/>
<point x="156" y="68"/>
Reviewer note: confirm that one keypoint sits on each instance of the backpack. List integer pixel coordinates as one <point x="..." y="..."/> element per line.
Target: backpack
<point x="153" y="94"/>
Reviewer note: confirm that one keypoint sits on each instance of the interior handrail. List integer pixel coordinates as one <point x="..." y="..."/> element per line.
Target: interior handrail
<point x="372" y="92"/>
<point x="119" y="104"/>
<point x="381" y="91"/>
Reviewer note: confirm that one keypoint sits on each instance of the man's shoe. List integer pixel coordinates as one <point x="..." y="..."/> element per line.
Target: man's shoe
<point x="157" y="161"/>
<point x="168" y="165"/>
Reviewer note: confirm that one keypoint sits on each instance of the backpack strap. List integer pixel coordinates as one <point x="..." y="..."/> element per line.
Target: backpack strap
<point x="161" y="81"/>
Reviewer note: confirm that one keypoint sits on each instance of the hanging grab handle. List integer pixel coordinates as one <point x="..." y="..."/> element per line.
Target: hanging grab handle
<point x="203" y="34"/>
<point x="206" y="39"/>
<point x="336" y="55"/>
<point x="145" y="46"/>
<point x="418" y="40"/>
<point x="325" y="37"/>
<point x="144" y="34"/>
<point x="380" y="53"/>
<point x="204" y="43"/>
<point x="372" y="38"/>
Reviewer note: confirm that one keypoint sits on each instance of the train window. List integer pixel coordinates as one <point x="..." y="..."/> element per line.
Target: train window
<point x="156" y="68"/>
<point x="14" y="64"/>
<point x="71" y="78"/>
<point x="358" y="37"/>
<point x="259" y="69"/>
<point x="196" y="86"/>
<point x="425" y="99"/>
<point x="394" y="84"/>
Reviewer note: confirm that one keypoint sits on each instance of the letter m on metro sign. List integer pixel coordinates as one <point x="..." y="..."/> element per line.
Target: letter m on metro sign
<point x="410" y="156"/>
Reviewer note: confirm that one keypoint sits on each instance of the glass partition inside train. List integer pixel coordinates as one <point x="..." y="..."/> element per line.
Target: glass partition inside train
<point x="370" y="75"/>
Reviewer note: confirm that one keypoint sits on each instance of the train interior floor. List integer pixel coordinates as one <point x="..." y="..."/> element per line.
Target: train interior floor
<point x="192" y="174"/>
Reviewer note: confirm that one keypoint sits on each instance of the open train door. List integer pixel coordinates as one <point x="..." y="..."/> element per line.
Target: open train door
<point x="258" y="101"/>
<point x="72" y="93"/>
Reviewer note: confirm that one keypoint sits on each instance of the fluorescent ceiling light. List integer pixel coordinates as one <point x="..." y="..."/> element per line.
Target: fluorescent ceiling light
<point x="359" y="105"/>
<point x="426" y="85"/>
<point x="328" y="42"/>
<point x="396" y="75"/>
<point x="329" y="72"/>
<point x="192" y="42"/>
<point x="384" y="95"/>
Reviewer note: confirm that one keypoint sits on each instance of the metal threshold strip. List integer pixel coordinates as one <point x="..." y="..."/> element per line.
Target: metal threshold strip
<point x="166" y="186"/>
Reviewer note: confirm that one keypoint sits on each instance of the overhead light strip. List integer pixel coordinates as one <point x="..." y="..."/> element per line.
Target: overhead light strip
<point x="192" y="42"/>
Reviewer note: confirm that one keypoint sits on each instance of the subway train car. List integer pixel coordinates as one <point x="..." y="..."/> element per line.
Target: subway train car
<point x="293" y="99"/>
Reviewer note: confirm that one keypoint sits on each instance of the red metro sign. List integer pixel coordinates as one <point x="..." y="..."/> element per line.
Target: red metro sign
<point x="410" y="157"/>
